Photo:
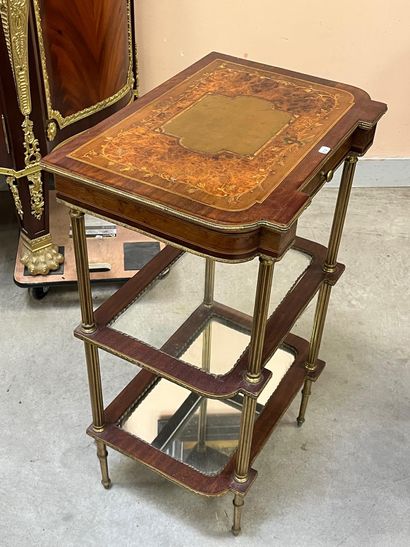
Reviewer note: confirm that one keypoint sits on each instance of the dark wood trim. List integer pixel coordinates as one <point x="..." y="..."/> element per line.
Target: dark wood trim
<point x="134" y="287"/>
<point x="174" y="470"/>
<point x="205" y="240"/>
<point x="173" y="369"/>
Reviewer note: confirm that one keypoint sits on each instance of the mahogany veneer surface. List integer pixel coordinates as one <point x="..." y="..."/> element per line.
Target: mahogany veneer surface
<point x="85" y="41"/>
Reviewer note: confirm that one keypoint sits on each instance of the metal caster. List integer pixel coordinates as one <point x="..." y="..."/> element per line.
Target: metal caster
<point x="38" y="293"/>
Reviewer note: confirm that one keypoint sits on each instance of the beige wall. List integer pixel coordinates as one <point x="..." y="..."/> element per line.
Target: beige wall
<point x="367" y="44"/>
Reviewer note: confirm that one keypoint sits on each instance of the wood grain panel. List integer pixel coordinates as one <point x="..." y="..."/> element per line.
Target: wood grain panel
<point x="4" y="148"/>
<point x="87" y="54"/>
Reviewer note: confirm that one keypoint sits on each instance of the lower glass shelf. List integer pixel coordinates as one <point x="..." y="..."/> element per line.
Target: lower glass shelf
<point x="191" y="439"/>
<point x="198" y="431"/>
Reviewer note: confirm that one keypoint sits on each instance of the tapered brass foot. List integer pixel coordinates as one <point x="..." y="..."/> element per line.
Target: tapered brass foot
<point x="107" y="484"/>
<point x="40" y="255"/>
<point x="102" y="456"/>
<point x="238" y="503"/>
<point x="306" y="391"/>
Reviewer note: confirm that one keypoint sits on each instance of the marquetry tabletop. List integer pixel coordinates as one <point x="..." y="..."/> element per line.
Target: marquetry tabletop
<point x="227" y="146"/>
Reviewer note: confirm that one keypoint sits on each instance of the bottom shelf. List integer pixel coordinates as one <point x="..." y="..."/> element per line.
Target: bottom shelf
<point x="191" y="439"/>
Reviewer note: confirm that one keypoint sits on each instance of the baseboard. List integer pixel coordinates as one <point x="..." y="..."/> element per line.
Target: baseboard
<point x="371" y="173"/>
<point x="379" y="173"/>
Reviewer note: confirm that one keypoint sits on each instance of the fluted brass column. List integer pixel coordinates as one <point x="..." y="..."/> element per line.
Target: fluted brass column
<point x="262" y="297"/>
<point x="209" y="282"/>
<point x="88" y="325"/>
<point x="206" y="349"/>
<point x="329" y="266"/>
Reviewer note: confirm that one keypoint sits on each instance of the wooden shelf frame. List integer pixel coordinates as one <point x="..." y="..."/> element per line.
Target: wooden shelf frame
<point x="181" y="473"/>
<point x="165" y="362"/>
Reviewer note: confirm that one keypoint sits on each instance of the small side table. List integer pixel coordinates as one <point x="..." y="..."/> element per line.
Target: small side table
<point x="220" y="162"/>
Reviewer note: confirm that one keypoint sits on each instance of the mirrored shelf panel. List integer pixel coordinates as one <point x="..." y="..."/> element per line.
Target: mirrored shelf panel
<point x="199" y="431"/>
<point x="191" y="439"/>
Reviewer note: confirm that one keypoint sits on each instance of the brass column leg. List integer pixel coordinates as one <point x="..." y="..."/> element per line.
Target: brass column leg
<point x="329" y="266"/>
<point x="206" y="365"/>
<point x="209" y="282"/>
<point x="206" y="350"/>
<point x="238" y="503"/>
<point x="315" y="341"/>
<point x="88" y="325"/>
<point x="102" y="456"/>
<point x="262" y="297"/>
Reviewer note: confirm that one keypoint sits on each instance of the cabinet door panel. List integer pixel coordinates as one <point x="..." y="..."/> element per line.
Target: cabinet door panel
<point x="86" y="45"/>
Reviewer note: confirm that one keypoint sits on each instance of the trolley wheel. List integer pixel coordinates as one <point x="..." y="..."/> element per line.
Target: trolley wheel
<point x="38" y="293"/>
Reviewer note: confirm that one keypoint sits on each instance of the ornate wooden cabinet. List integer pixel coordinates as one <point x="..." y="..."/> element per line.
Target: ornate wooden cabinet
<point x="64" y="66"/>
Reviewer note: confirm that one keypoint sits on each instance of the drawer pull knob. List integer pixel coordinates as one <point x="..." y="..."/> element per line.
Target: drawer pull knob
<point x="327" y="176"/>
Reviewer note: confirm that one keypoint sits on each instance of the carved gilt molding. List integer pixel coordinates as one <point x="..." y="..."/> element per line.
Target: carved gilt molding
<point x="16" y="196"/>
<point x="32" y="148"/>
<point x="35" y="188"/>
<point x="14" y="16"/>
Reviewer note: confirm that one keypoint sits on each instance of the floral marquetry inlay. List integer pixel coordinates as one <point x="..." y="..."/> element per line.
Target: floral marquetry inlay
<point x="225" y="137"/>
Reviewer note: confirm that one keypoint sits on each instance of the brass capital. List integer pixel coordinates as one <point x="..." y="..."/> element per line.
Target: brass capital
<point x="311" y="367"/>
<point x="88" y="328"/>
<point x="75" y="213"/>
<point x="253" y="378"/>
<point x="241" y="479"/>
<point x="329" y="268"/>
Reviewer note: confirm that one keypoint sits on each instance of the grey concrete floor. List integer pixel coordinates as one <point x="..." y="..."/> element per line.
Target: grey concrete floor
<point x="342" y="479"/>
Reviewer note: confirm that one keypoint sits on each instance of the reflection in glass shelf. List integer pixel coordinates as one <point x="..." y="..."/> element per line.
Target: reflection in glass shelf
<point x="225" y="346"/>
<point x="166" y="306"/>
<point x="198" y="431"/>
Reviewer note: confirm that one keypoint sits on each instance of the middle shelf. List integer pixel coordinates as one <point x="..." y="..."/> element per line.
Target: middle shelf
<point x="170" y="345"/>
